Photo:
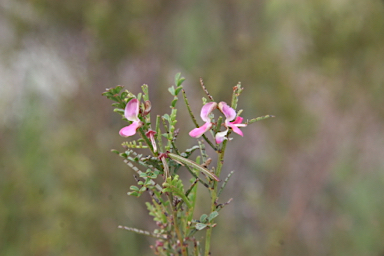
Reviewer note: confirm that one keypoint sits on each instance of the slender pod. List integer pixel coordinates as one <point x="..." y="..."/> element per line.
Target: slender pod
<point x="193" y="165"/>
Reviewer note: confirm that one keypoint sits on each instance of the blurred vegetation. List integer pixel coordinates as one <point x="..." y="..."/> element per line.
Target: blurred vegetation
<point x="308" y="182"/>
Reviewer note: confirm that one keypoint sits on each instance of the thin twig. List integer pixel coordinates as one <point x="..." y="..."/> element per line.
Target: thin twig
<point x="205" y="89"/>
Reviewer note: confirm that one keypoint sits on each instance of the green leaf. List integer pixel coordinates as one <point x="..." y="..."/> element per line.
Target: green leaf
<point x="118" y="110"/>
<point x="134" y="188"/>
<point x="117" y="89"/>
<point x="178" y="89"/>
<point x="203" y="217"/>
<point x="181" y="80"/>
<point x="134" y="193"/>
<point x="173" y="104"/>
<point x="113" y="98"/>
<point x="123" y="95"/>
<point x="166" y="117"/>
<point x="212" y="215"/>
<point x="177" y="78"/>
<point x="166" y="190"/>
<point x="172" y="90"/>
<point x="115" y="151"/>
<point x="200" y="226"/>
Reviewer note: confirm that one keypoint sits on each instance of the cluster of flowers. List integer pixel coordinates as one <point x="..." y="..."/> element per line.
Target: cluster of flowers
<point x="232" y="121"/>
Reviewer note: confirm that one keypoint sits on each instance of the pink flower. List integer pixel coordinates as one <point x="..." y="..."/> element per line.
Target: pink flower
<point x="205" y="111"/>
<point x="131" y="113"/>
<point x="230" y="114"/>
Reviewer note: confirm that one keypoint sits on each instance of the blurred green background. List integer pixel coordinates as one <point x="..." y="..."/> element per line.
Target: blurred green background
<point x="308" y="182"/>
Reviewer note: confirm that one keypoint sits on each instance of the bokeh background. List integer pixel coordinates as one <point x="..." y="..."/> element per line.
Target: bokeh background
<point x="308" y="182"/>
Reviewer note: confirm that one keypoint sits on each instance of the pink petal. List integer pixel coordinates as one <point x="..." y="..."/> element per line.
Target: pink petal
<point x="197" y="132"/>
<point x="236" y="129"/>
<point x="221" y="136"/>
<point x="229" y="112"/>
<point x="130" y="129"/>
<point x="132" y="110"/>
<point x="206" y="110"/>
<point x="238" y="120"/>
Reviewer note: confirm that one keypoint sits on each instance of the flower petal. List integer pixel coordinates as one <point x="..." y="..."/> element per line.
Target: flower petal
<point x="131" y="111"/>
<point x="239" y="120"/>
<point x="130" y="129"/>
<point x="197" y="132"/>
<point x="235" y="129"/>
<point x="221" y="136"/>
<point x="229" y="112"/>
<point x="206" y="110"/>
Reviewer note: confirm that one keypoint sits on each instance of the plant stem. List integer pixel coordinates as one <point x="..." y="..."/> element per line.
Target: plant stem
<point x="175" y="224"/>
<point x="220" y="162"/>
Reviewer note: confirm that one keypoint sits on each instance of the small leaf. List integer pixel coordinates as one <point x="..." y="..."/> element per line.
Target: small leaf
<point x="166" y="117"/>
<point x="172" y="90"/>
<point x="177" y="78"/>
<point x="200" y="226"/>
<point x="166" y="190"/>
<point x="134" y="188"/>
<point x="119" y="110"/>
<point x="117" y="89"/>
<point x="115" y="151"/>
<point x="212" y="215"/>
<point x="123" y="95"/>
<point x="178" y="89"/>
<point x="173" y="104"/>
<point x="181" y="80"/>
<point x="203" y="218"/>
<point x="134" y="193"/>
<point x="113" y="98"/>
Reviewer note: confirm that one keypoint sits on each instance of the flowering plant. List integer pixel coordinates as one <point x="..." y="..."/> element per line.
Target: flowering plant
<point x="172" y="202"/>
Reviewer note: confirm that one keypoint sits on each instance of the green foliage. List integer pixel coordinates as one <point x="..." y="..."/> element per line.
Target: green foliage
<point x="175" y="186"/>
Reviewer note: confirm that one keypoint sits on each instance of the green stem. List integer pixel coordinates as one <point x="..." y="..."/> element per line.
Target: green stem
<point x="220" y="162"/>
<point x="175" y="224"/>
